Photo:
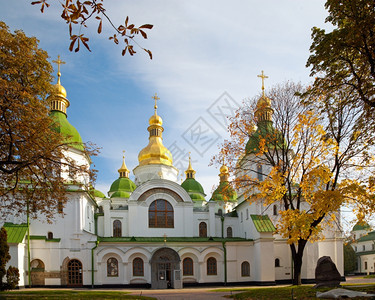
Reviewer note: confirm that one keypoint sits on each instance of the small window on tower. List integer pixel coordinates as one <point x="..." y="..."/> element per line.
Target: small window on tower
<point x="50" y="235"/>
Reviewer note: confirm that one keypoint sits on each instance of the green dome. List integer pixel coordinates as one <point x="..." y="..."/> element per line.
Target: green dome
<point x="194" y="189"/>
<point x="362" y="226"/>
<point x="265" y="131"/>
<point x="224" y="192"/>
<point x="122" y="184"/>
<point x="120" y="194"/>
<point x="96" y="193"/>
<point x="62" y="125"/>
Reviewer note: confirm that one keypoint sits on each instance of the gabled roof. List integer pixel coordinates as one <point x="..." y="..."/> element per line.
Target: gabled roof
<point x="263" y="223"/>
<point x="15" y="232"/>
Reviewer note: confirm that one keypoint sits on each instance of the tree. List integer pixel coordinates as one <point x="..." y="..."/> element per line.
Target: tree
<point x="312" y="160"/>
<point x="345" y="57"/>
<point x="33" y="155"/>
<point x="77" y="13"/>
<point x="4" y="255"/>
<point x="349" y="258"/>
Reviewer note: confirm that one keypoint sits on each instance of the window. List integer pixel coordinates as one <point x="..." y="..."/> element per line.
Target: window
<point x="247" y="214"/>
<point x="160" y="214"/>
<point x="365" y="265"/>
<point x="187" y="266"/>
<point x="355" y="248"/>
<point x="229" y="232"/>
<point x="220" y="212"/>
<point x="202" y="229"/>
<point x="138" y="266"/>
<point x="277" y="263"/>
<point x="117" y="228"/>
<point x="245" y="269"/>
<point x="363" y="247"/>
<point x="260" y="172"/>
<point x="88" y="212"/>
<point x="50" y="235"/>
<point x="275" y="210"/>
<point x="112" y="267"/>
<point x="211" y="266"/>
<point x="241" y="216"/>
<point x="373" y="247"/>
<point x="74" y="273"/>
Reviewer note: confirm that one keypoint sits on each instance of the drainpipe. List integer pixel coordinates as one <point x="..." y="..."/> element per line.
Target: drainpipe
<point x="92" y="263"/>
<point x="225" y="263"/>
<point x="28" y="243"/>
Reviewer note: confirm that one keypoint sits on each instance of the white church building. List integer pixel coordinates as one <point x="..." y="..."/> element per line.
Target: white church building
<point x="155" y="232"/>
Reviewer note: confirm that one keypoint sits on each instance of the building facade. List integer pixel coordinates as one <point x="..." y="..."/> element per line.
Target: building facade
<point x="154" y="231"/>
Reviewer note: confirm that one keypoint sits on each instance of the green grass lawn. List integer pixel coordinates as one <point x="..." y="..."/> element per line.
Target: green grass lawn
<point x="289" y="292"/>
<point x="68" y="294"/>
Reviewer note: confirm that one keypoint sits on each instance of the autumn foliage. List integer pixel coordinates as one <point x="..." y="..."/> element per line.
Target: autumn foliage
<point x="309" y="159"/>
<point x="32" y="154"/>
<point x="77" y="13"/>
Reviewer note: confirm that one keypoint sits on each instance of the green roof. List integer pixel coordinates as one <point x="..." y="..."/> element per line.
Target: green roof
<point x="62" y="125"/>
<point x="123" y="184"/>
<point x="42" y="237"/>
<point x="224" y="192"/>
<point x="168" y="239"/>
<point x="96" y="193"/>
<point x="368" y="237"/>
<point x="193" y="188"/>
<point x="263" y="223"/>
<point x="15" y="232"/>
<point x="361" y="226"/>
<point x="120" y="194"/>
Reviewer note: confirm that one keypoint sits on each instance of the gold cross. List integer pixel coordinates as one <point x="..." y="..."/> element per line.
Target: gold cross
<point x="123" y="153"/>
<point x="156" y="99"/>
<point x="263" y="77"/>
<point x="58" y="62"/>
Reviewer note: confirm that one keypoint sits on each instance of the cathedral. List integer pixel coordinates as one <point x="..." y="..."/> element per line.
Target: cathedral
<point x="154" y="231"/>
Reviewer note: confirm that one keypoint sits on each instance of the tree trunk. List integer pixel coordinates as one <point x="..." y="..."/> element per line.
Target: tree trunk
<point x="297" y="256"/>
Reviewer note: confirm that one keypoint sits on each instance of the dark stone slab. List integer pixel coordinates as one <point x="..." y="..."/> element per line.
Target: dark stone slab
<point x="326" y="273"/>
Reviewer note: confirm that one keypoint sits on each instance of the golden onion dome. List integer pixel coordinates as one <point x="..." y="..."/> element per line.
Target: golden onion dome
<point x="155" y="152"/>
<point x="155" y="120"/>
<point x="264" y="102"/>
<point x="59" y="89"/>
<point x="224" y="169"/>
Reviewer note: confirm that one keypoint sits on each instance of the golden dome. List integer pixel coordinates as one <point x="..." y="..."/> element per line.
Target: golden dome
<point x="155" y="120"/>
<point x="59" y="89"/>
<point x="264" y="102"/>
<point x="124" y="171"/>
<point x="224" y="169"/>
<point x="190" y="172"/>
<point x="155" y="152"/>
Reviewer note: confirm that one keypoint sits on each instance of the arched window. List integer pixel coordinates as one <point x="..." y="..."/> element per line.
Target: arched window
<point x="50" y="235"/>
<point x="117" y="228"/>
<point x="160" y="214"/>
<point x="277" y="262"/>
<point x="245" y="269"/>
<point x="138" y="266"/>
<point x="220" y="212"/>
<point x="112" y="267"/>
<point x="211" y="266"/>
<point x="260" y="172"/>
<point x="275" y="210"/>
<point x="229" y="232"/>
<point x="187" y="266"/>
<point x="202" y="229"/>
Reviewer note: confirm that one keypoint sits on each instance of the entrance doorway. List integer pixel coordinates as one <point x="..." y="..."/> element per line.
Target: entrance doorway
<point x="74" y="273"/>
<point x="165" y="269"/>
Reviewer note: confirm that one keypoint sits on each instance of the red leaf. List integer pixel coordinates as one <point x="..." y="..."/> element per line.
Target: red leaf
<point x="149" y="53"/>
<point x="143" y="34"/>
<point x="131" y="26"/>
<point x="100" y="27"/>
<point x="126" y="21"/>
<point x="124" y="51"/>
<point x="147" y="26"/>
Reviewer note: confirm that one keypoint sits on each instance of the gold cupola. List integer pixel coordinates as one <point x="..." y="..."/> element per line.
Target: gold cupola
<point x="263" y="110"/>
<point x="224" y="173"/>
<point x="155" y="152"/>
<point x="59" y="102"/>
<point x="124" y="171"/>
<point x="190" y="172"/>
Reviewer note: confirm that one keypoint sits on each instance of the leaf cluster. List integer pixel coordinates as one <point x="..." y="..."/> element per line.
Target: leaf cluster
<point x="345" y="57"/>
<point x="77" y="13"/>
<point x="33" y="156"/>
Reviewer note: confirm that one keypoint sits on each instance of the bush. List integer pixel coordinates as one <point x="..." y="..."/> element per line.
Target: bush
<point x="13" y="277"/>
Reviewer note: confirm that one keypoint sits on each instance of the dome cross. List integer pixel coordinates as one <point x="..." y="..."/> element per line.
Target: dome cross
<point x="263" y="77"/>
<point x="59" y="62"/>
<point x="156" y="98"/>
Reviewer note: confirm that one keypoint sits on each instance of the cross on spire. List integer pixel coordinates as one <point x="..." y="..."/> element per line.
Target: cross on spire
<point x="263" y="77"/>
<point x="156" y="98"/>
<point x="58" y="62"/>
<point x="123" y="154"/>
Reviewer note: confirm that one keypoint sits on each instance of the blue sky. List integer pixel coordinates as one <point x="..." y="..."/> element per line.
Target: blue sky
<point x="207" y="55"/>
